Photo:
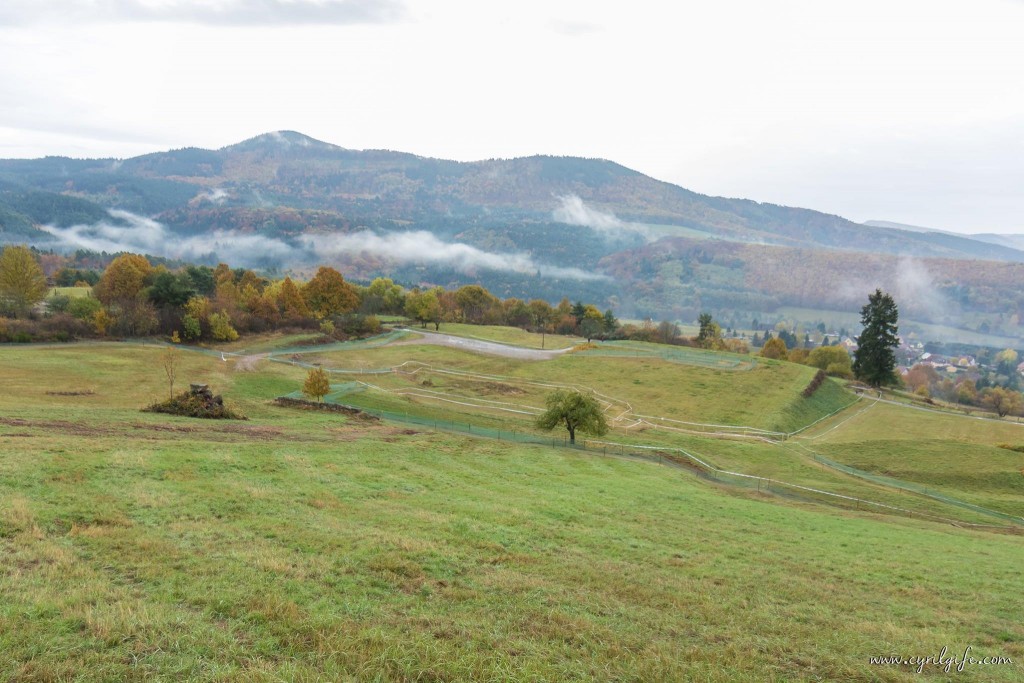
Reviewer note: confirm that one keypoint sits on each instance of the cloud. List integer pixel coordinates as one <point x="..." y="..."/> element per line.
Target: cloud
<point x="916" y="286"/>
<point x="909" y="281"/>
<point x="211" y="12"/>
<point x="424" y="247"/>
<point x="129" y="232"/>
<point x="574" y="211"/>
<point x="214" y="196"/>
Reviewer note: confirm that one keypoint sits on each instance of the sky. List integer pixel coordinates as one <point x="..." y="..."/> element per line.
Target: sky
<point x="909" y="111"/>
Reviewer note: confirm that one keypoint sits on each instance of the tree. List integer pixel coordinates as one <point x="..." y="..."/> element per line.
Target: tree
<point x="875" y="362"/>
<point x="220" y="327"/>
<point x="592" y="324"/>
<point x="834" y="357"/>
<point x="424" y="307"/>
<point x="328" y="294"/>
<point x="317" y="384"/>
<point x="383" y="296"/>
<point x="169" y="289"/>
<point x="577" y="411"/>
<point x="1003" y="401"/>
<point x="710" y="334"/>
<point x="476" y="303"/>
<point x="123" y="280"/>
<point x="611" y="323"/>
<point x="169" y="360"/>
<point x="22" y="282"/>
<point x="290" y="301"/>
<point x="774" y="348"/>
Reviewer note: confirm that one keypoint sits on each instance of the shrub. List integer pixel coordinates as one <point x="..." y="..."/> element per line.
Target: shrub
<point x="220" y="327"/>
<point x="84" y="307"/>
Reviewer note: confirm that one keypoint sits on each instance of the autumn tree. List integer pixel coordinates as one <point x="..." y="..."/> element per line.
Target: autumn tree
<point x="221" y="328"/>
<point x="290" y="301"/>
<point x="328" y="294"/>
<point x="709" y="335"/>
<point x="1003" y="401"/>
<point x="123" y="280"/>
<point x="382" y="295"/>
<point x="317" y="384"/>
<point x="577" y="411"/>
<point x="22" y="282"/>
<point x="476" y="304"/>
<point x="424" y="307"/>
<point x="121" y="288"/>
<point x="592" y="324"/>
<point x="834" y="360"/>
<point x="875" y="362"/>
<point x="775" y="348"/>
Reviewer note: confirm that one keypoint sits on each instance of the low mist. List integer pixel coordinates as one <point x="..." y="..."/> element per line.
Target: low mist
<point x="573" y="211"/>
<point x="130" y="232"/>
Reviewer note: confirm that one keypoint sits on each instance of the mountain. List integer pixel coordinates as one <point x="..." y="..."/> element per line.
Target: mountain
<point x="536" y="226"/>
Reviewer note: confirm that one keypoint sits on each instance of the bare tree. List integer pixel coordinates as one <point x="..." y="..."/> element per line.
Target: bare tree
<point x="169" y="358"/>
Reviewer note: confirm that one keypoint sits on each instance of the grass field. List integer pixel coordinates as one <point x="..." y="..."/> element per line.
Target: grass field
<point x="72" y="292"/>
<point x="509" y="335"/>
<point x="308" y="546"/>
<point x="650" y="385"/>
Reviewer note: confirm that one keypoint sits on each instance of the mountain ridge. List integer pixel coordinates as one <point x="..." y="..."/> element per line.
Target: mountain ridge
<point x="498" y="221"/>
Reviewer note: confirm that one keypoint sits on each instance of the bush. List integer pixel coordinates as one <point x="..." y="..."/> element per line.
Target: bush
<point x="55" y="328"/>
<point x="58" y="303"/>
<point x="84" y="307"/>
<point x="220" y="327"/>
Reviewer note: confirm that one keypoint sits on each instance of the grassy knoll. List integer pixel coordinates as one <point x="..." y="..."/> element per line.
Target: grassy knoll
<point x="308" y="546"/>
<point x="769" y="391"/>
<point x="948" y="454"/>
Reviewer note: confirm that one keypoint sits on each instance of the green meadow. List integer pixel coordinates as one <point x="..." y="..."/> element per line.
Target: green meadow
<point x="304" y="545"/>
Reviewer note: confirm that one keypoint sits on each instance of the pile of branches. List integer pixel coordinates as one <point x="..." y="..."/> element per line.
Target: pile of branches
<point x="200" y="402"/>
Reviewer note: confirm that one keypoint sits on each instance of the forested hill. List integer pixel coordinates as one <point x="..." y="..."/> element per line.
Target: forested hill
<point x="261" y="184"/>
<point x="534" y="227"/>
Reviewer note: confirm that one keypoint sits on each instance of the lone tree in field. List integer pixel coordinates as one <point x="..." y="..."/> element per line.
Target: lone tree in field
<point x="169" y="360"/>
<point x="575" y="411"/>
<point x="317" y="384"/>
<point x="875" y="362"/>
<point x="22" y="283"/>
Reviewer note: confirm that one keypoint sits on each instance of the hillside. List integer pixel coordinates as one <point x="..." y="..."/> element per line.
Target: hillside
<point x="540" y="226"/>
<point x="304" y="544"/>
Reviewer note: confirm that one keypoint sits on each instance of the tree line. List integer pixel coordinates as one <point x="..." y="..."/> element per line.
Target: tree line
<point x="194" y="303"/>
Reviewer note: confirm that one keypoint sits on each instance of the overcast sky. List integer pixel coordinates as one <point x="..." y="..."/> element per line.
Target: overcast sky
<point x="901" y="110"/>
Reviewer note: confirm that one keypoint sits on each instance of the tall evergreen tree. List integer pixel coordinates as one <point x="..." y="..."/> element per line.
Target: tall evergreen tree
<point x="875" y="362"/>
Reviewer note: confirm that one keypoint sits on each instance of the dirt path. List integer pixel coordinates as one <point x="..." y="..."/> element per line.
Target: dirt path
<point x="480" y="346"/>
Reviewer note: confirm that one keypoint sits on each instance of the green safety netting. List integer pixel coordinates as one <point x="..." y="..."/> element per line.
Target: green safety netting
<point x="916" y="488"/>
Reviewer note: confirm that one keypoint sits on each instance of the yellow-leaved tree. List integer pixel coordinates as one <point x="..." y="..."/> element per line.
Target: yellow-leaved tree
<point x="22" y="282"/>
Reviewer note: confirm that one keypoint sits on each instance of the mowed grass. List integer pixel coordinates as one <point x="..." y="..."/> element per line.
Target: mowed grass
<point x="73" y="292"/>
<point x="947" y="454"/>
<point x="508" y="335"/>
<point x="765" y="397"/>
<point x="305" y="546"/>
